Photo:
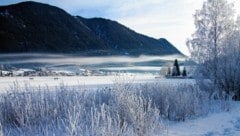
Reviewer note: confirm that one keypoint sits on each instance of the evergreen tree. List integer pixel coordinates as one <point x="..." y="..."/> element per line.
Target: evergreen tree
<point x="176" y="70"/>
<point x="184" y="73"/>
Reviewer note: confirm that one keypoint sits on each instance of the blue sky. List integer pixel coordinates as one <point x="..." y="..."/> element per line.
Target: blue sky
<point x="171" y="19"/>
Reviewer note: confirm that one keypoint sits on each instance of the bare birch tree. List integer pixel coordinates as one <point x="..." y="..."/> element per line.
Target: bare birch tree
<point x="215" y="44"/>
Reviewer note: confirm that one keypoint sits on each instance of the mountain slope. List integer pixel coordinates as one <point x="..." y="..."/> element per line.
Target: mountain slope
<point x="37" y="27"/>
<point x="120" y="38"/>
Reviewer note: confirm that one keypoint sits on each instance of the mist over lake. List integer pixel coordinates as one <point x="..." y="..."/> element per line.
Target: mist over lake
<point x="67" y="59"/>
<point x="73" y="62"/>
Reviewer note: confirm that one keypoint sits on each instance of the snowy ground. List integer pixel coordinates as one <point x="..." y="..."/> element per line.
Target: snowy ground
<point x="214" y="124"/>
<point x="84" y="81"/>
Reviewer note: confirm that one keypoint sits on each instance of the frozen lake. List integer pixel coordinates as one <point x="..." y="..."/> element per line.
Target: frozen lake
<point x="85" y="81"/>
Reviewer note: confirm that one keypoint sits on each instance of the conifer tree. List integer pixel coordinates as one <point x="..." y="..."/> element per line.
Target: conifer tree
<point x="176" y="70"/>
<point x="184" y="73"/>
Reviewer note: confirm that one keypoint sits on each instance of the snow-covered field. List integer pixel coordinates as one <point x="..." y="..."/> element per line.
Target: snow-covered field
<point x="224" y="123"/>
<point x="85" y="81"/>
<point x="215" y="124"/>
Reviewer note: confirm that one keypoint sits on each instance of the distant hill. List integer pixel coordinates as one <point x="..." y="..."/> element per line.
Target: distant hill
<point x="36" y="27"/>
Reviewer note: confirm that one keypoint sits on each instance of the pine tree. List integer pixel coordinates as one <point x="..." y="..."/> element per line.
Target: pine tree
<point x="176" y="70"/>
<point x="184" y="73"/>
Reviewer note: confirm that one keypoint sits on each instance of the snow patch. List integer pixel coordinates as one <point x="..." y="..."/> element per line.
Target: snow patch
<point x="6" y="14"/>
<point x="215" y="124"/>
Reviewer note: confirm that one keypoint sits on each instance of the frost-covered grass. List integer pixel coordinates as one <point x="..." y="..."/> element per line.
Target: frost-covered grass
<point x="123" y="109"/>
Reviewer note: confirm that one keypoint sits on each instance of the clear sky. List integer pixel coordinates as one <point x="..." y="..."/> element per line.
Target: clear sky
<point x="170" y="19"/>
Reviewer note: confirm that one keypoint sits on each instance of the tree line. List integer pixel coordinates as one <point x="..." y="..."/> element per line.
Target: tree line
<point x="173" y="71"/>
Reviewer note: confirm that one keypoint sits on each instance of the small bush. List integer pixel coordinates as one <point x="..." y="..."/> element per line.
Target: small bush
<point x="123" y="109"/>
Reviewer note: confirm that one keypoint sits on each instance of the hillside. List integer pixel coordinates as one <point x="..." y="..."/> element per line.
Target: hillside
<point x="36" y="27"/>
<point x="120" y="38"/>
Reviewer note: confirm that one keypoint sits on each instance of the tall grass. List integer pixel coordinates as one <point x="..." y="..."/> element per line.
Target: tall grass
<point x="123" y="109"/>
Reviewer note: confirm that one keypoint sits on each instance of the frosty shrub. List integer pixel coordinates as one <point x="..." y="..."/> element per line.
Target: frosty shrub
<point x="137" y="110"/>
<point x="123" y="109"/>
<point x="178" y="102"/>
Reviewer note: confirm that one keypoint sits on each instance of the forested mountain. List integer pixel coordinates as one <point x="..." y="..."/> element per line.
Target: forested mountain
<point x="37" y="27"/>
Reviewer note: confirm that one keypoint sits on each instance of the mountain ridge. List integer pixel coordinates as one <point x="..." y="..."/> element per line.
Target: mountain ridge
<point x="37" y="27"/>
